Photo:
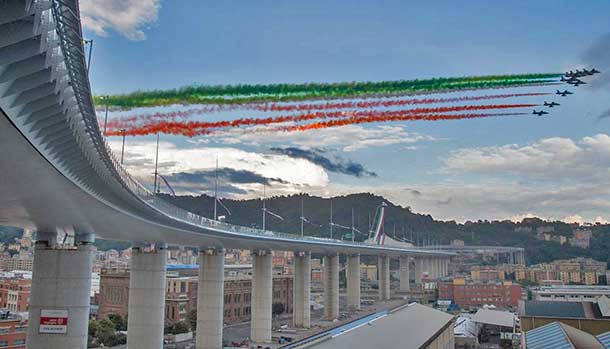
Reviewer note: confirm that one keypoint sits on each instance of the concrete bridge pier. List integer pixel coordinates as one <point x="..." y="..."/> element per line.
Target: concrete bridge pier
<point x="302" y="290"/>
<point x="262" y="297"/>
<point x="331" y="287"/>
<point x="210" y="298"/>
<point x="61" y="286"/>
<point x="353" y="282"/>
<point x="147" y="286"/>
<point x="404" y="273"/>
<point x="383" y="265"/>
<point x="419" y="269"/>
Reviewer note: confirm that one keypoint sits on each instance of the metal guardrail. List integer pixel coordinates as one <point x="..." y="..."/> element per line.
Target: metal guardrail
<point x="66" y="16"/>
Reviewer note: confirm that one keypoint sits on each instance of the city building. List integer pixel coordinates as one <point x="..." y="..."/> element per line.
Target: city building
<point x="572" y="293"/>
<point x="470" y="294"/>
<point x="433" y="329"/>
<point x="15" y="294"/>
<point x="114" y="292"/>
<point x="13" y="331"/>
<point x="17" y="262"/>
<point x="591" y="317"/>
<point x="181" y="294"/>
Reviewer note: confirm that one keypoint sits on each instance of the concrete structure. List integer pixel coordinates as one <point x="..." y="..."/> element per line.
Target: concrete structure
<point x="146" y="297"/>
<point x="404" y="273"/>
<point x="210" y="293"/>
<point x="384" y="277"/>
<point x="61" y="281"/>
<point x="353" y="282"/>
<point x="302" y="290"/>
<point x="331" y="287"/>
<point x="260" y="325"/>
<point x="419" y="269"/>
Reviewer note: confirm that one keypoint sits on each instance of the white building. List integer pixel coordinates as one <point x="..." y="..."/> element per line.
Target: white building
<point x="569" y="293"/>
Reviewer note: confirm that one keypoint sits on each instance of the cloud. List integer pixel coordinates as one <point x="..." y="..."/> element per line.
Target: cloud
<point x="334" y="164"/>
<point x="604" y="115"/>
<point x="559" y="159"/>
<point x="228" y="180"/>
<point x="347" y="138"/>
<point x="245" y="170"/>
<point x="127" y="17"/>
<point x="574" y="218"/>
<point x="598" y="56"/>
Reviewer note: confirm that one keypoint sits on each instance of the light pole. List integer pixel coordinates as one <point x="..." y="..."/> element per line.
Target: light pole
<point x="105" y="98"/>
<point x="216" y="192"/>
<point x="302" y="217"/>
<point x="123" y="147"/>
<point x="156" y="165"/>
<point x="331" y="218"/>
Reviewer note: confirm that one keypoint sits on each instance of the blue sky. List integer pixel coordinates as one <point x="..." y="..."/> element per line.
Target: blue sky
<point x="495" y="168"/>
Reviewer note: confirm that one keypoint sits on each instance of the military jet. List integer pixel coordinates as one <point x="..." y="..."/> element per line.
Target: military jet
<point x="569" y="79"/>
<point x="539" y="113"/>
<point x="550" y="105"/>
<point x="576" y="82"/>
<point x="564" y="93"/>
<point x="594" y="71"/>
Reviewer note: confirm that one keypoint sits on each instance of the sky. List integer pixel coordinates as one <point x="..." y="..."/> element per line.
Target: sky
<point x="554" y="167"/>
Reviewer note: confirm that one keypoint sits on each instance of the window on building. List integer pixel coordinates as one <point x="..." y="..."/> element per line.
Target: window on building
<point x="20" y="329"/>
<point x="5" y="330"/>
<point x="3" y="344"/>
<point x="20" y="341"/>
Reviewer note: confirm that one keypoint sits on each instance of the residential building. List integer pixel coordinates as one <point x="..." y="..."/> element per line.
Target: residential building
<point x="570" y="293"/>
<point x="13" y="331"/>
<point x="15" y="294"/>
<point x="474" y="294"/>
<point x="114" y="292"/>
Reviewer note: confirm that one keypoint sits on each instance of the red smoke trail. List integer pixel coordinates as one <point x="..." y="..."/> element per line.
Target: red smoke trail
<point x="370" y="119"/>
<point x="197" y="128"/>
<point x="133" y="120"/>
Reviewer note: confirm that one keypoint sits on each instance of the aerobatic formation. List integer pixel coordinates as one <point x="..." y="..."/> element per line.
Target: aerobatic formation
<point x="303" y="107"/>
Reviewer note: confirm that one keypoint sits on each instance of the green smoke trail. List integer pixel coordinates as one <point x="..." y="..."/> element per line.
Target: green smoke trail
<point x="234" y="94"/>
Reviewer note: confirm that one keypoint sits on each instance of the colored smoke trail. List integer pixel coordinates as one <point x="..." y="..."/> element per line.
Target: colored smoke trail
<point x="138" y="119"/>
<point x="232" y="94"/>
<point x="391" y="118"/>
<point x="198" y="128"/>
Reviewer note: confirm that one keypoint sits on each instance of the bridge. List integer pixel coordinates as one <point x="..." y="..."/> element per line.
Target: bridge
<point x="58" y="174"/>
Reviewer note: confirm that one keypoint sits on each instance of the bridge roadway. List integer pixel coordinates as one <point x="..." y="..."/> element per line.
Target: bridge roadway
<point x="58" y="174"/>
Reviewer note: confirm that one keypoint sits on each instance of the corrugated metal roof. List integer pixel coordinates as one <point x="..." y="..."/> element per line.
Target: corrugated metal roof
<point x="408" y="328"/>
<point x="554" y="309"/>
<point x="494" y="317"/>
<point x="548" y="336"/>
<point x="605" y="339"/>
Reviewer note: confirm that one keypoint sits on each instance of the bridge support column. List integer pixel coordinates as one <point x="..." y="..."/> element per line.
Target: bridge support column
<point x="262" y="296"/>
<point x="146" y="297"/>
<point x="210" y="299"/>
<point x="419" y="268"/>
<point x="436" y="263"/>
<point x="331" y="287"/>
<point x="404" y="273"/>
<point x="61" y="286"/>
<point x="353" y="282"/>
<point x="302" y="290"/>
<point x="384" y="277"/>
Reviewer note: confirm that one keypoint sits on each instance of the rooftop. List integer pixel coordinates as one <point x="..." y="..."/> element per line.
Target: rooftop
<point x="583" y="310"/>
<point x="558" y="335"/>
<point x="494" y="317"/>
<point x="413" y="326"/>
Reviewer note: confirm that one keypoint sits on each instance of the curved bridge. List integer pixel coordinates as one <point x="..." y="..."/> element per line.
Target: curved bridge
<point x="58" y="171"/>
